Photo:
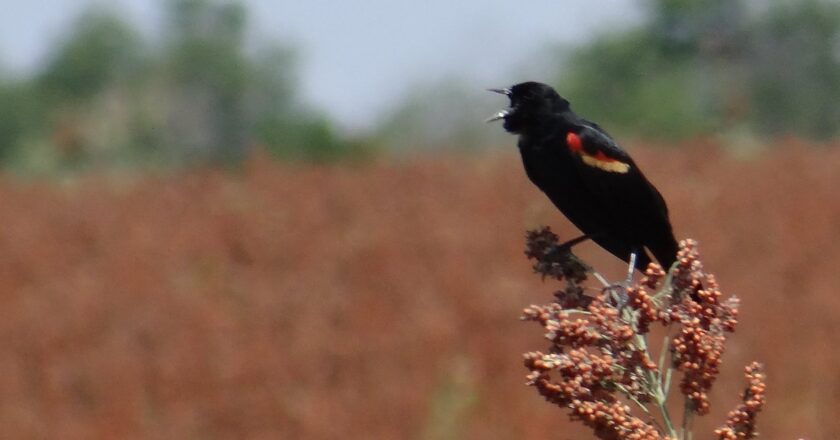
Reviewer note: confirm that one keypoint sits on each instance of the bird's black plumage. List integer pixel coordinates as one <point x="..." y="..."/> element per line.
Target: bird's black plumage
<point x="593" y="182"/>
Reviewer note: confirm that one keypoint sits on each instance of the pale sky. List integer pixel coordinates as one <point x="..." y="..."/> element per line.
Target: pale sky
<point x="358" y="57"/>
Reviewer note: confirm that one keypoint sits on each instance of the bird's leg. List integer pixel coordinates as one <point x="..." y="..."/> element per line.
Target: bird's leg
<point x="611" y="291"/>
<point x="566" y="247"/>
<point x="630" y="269"/>
<point x="623" y="298"/>
<point x="618" y="291"/>
<point x="575" y="241"/>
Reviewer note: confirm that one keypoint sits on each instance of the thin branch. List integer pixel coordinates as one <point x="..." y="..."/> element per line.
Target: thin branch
<point x="655" y="389"/>
<point x="688" y="420"/>
<point x="629" y="395"/>
<point x="601" y="279"/>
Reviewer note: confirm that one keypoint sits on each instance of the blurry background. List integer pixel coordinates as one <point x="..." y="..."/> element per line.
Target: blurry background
<point x="287" y="220"/>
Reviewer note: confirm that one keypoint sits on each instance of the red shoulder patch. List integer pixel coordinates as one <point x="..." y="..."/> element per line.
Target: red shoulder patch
<point x="598" y="160"/>
<point x="574" y="142"/>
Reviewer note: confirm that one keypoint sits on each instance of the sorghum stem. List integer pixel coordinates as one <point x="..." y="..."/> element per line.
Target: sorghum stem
<point x="655" y="390"/>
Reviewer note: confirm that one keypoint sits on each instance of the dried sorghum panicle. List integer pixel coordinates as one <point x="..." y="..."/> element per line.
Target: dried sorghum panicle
<point x="598" y="352"/>
<point x="573" y="297"/>
<point x="640" y="300"/>
<point x="697" y="354"/>
<point x="741" y="422"/>
<point x="561" y="328"/>
<point x="698" y="346"/>
<point x="653" y="275"/>
<point x="551" y="259"/>
<point x="687" y="274"/>
<point x="613" y="421"/>
<point x="577" y="380"/>
<point x="606" y="318"/>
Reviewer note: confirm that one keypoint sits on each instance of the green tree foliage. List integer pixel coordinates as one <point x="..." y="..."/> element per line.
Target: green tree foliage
<point x="106" y="96"/>
<point x="795" y="73"/>
<point x="225" y="101"/>
<point x="18" y="114"/>
<point x="686" y="28"/>
<point x="71" y="106"/>
<point x="700" y="66"/>
<point x="282" y="123"/>
<point x="629" y="83"/>
<point x="209" y="71"/>
<point x="446" y="113"/>
<point x="100" y="49"/>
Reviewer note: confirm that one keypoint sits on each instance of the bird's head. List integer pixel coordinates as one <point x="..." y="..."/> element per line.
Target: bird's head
<point x="531" y="103"/>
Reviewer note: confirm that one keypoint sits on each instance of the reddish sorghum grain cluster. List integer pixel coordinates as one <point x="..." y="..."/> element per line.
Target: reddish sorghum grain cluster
<point x="580" y="380"/>
<point x="703" y="321"/>
<point x="641" y="301"/>
<point x="740" y="423"/>
<point x="599" y="364"/>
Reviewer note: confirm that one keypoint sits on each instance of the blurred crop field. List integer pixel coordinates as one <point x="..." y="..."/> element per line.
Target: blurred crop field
<point x="377" y="300"/>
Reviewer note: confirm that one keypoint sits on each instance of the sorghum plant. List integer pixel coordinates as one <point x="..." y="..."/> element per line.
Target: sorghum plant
<point x="599" y="364"/>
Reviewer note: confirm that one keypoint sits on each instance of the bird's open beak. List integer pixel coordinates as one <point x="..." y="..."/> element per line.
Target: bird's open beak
<point x="503" y="113"/>
<point x="497" y="116"/>
<point x="505" y="92"/>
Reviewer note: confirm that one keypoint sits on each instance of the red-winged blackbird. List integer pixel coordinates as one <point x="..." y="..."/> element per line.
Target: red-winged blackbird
<point x="588" y="176"/>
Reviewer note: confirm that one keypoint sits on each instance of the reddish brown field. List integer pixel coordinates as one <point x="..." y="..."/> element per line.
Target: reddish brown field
<point x="376" y="301"/>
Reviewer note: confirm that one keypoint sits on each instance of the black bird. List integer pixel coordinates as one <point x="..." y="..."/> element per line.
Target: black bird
<point x="588" y="176"/>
